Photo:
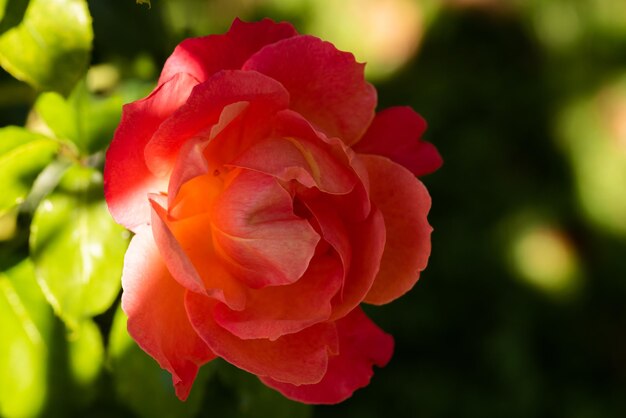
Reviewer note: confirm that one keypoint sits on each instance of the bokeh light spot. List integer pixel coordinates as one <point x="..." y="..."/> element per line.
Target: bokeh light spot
<point x="545" y="258"/>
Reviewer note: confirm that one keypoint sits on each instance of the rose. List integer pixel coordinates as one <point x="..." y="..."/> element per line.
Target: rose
<point x="268" y="201"/>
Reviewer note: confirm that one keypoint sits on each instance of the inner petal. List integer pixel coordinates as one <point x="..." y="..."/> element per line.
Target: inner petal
<point x="295" y="151"/>
<point x="196" y="196"/>
<point x="257" y="234"/>
<point x="187" y="249"/>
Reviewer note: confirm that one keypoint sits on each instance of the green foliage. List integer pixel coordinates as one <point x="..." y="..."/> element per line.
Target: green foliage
<point x="86" y="353"/>
<point x="77" y="248"/>
<point x="25" y="327"/>
<point x="83" y="118"/>
<point x="50" y="47"/>
<point x="23" y="155"/>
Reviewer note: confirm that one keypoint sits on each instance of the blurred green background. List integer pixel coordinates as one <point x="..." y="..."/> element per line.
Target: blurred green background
<point x="521" y="310"/>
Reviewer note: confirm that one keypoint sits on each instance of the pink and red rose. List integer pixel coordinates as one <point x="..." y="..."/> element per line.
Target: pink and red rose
<point x="268" y="202"/>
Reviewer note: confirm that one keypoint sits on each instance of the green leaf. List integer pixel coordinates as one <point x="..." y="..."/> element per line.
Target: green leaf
<point x="50" y="48"/>
<point x="86" y="353"/>
<point x="77" y="248"/>
<point x="87" y="120"/>
<point x="58" y="115"/>
<point x="154" y="395"/>
<point x="25" y="325"/>
<point x="23" y="155"/>
<point x="8" y="224"/>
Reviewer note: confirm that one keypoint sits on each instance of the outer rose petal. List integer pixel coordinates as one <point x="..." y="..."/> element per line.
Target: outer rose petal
<point x="298" y="358"/>
<point x="395" y="133"/>
<point x="368" y="243"/>
<point x="202" y="57"/>
<point x="275" y="311"/>
<point x="127" y="180"/>
<point x="361" y="345"/>
<point x="326" y="85"/>
<point x="404" y="202"/>
<point x="205" y="106"/>
<point x="154" y="303"/>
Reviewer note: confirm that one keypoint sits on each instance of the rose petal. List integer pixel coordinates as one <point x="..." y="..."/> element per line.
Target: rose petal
<point x="187" y="251"/>
<point x="204" y="56"/>
<point x="257" y="233"/>
<point x="331" y="228"/>
<point x="275" y="311"/>
<point x="395" y="133"/>
<point x="326" y="85"/>
<point x="195" y="197"/>
<point x="175" y="259"/>
<point x="157" y="320"/>
<point x="189" y="164"/>
<point x="204" y="107"/>
<point x="404" y="202"/>
<point x="236" y="130"/>
<point x="368" y="243"/>
<point x="355" y="206"/>
<point x="361" y="345"/>
<point x="296" y="358"/>
<point x="127" y="180"/>
<point x="296" y="151"/>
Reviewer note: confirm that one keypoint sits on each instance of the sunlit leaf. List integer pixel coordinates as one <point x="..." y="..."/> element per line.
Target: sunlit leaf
<point x="87" y="120"/>
<point x="23" y="155"/>
<point x="8" y="224"/>
<point x="77" y="248"/>
<point x="98" y="118"/>
<point x="50" y="48"/>
<point x="154" y="396"/>
<point x="86" y="353"/>
<point x="25" y="325"/>
<point x="57" y="114"/>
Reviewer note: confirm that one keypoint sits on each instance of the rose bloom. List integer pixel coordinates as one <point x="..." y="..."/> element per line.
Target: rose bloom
<point x="268" y="201"/>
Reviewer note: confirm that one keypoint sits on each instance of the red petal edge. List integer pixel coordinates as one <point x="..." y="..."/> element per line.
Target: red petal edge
<point x="204" y="56"/>
<point x="326" y="86"/>
<point x="395" y="133"/>
<point x="157" y="320"/>
<point x="203" y="109"/>
<point x="404" y="203"/>
<point x="298" y="358"/>
<point x="361" y="345"/>
<point x="127" y="179"/>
